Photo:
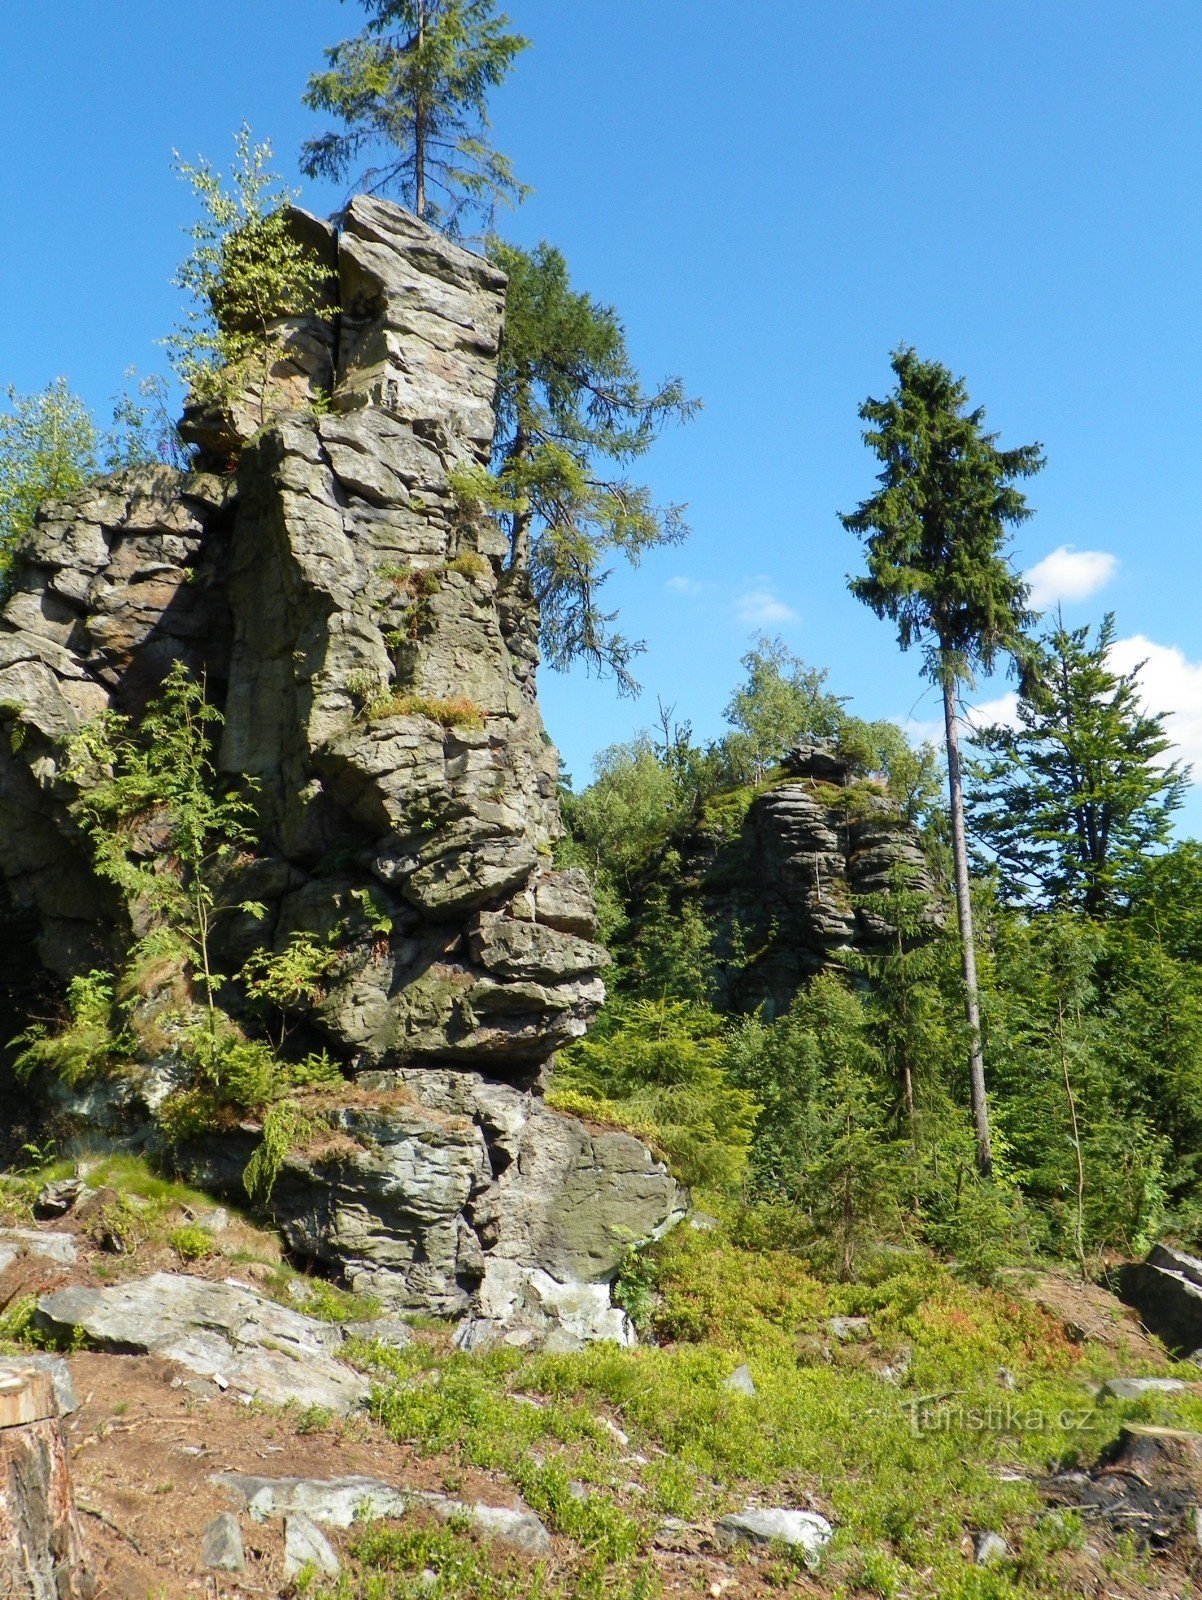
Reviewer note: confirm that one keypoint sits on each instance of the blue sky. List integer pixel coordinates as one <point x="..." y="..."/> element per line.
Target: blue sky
<point x="773" y="195"/>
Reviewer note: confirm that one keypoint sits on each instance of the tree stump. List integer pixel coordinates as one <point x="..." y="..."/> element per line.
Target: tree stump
<point x="41" y="1552"/>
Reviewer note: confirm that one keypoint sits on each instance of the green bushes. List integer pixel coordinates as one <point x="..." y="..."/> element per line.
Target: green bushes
<point x="659" y="1068"/>
<point x="90" y="1042"/>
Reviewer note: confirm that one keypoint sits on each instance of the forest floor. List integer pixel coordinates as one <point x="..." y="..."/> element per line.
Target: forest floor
<point x="914" y="1410"/>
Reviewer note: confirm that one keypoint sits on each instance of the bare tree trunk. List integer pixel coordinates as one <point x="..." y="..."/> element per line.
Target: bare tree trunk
<point x="968" y="949"/>
<point x="419" y="126"/>
<point x="41" y="1552"/>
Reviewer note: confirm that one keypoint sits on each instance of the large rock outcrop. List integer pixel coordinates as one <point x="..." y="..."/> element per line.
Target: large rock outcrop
<point x="374" y="659"/>
<point x="792" y="876"/>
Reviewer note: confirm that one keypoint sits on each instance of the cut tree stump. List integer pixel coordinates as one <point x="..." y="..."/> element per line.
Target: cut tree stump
<point x="41" y="1551"/>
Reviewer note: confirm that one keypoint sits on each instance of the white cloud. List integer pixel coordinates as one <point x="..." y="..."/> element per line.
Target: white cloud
<point x="683" y="585"/>
<point x="1169" y="683"/>
<point x="760" y="608"/>
<point x="1069" y="574"/>
<point x="1001" y="712"/>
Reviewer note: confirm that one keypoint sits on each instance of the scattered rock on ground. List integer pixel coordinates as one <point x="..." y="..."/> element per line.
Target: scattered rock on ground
<point x="389" y="1331"/>
<point x="221" y="1331"/>
<point x="306" y="1546"/>
<point x="989" y="1547"/>
<point x="761" y="1525"/>
<point x="57" y="1247"/>
<point x="339" y="1502"/>
<point x="1132" y="1388"/>
<point x="845" y="1328"/>
<point x="221" y="1544"/>
<point x="56" y="1199"/>
<point x="740" y="1381"/>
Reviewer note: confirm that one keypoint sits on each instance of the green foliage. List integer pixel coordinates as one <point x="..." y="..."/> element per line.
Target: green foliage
<point x="89" y="1043"/>
<point x="1072" y="800"/>
<point x="781" y="703"/>
<point x="160" y="828"/>
<point x="415" y="85"/>
<point x="191" y="1243"/>
<point x="48" y="448"/>
<point x="248" y="272"/>
<point x="825" y="1139"/>
<point x="572" y="417"/>
<point x="286" y="1124"/>
<point x="935" y="530"/>
<point x="663" y="1063"/>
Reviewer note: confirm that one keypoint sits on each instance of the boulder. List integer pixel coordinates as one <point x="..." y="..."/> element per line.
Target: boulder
<point x="221" y="1545"/>
<point x="1166" y="1290"/>
<point x="805" y="1530"/>
<point x="222" y="1331"/>
<point x="740" y="1381"/>
<point x="306" y="1547"/>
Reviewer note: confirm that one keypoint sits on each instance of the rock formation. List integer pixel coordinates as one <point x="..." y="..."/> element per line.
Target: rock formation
<point x="788" y="877"/>
<point x="374" y="659"/>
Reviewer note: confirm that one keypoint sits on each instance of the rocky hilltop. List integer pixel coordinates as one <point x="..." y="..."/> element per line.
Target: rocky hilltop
<point x="374" y="659"/>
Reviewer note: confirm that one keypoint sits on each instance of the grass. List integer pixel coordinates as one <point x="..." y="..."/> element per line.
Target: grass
<point x="456" y="712"/>
<point x="903" y="1468"/>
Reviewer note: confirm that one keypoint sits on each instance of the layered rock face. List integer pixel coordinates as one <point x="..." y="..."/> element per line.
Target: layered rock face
<point x="375" y="663"/>
<point x="788" y="884"/>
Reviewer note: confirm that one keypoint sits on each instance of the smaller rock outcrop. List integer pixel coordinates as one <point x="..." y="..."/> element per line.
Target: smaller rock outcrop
<point x="790" y="876"/>
<point x="1166" y="1290"/>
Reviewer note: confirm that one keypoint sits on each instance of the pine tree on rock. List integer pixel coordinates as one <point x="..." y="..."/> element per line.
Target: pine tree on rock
<point x="935" y="539"/>
<point x="572" y="415"/>
<point x="1071" y="800"/>
<point x="414" y="84"/>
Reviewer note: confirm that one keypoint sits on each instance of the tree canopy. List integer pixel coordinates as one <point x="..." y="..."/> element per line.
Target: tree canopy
<point x="414" y="86"/>
<point x="48" y="447"/>
<point x="572" y="416"/>
<point x="935" y="537"/>
<point x="1071" y="800"/>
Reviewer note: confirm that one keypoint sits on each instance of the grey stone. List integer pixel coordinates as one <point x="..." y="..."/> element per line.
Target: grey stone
<point x="65" y="1396"/>
<point x="846" y="1328"/>
<point x="305" y="1546"/>
<point x="221" y="1544"/>
<point x="59" y="1248"/>
<point x="338" y="574"/>
<point x="340" y="1502"/>
<point x="740" y="1381"/>
<point x="1133" y="1388"/>
<point x="806" y="1530"/>
<point x="56" y="1199"/>
<point x="216" y="1220"/>
<point x="221" y="1331"/>
<point x="989" y="1548"/>
<point x="1166" y="1290"/>
<point x="388" y="1331"/>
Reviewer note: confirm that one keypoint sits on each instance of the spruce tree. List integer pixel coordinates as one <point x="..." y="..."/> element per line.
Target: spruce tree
<point x="935" y="539"/>
<point x="414" y="84"/>
<point x="1071" y="800"/>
